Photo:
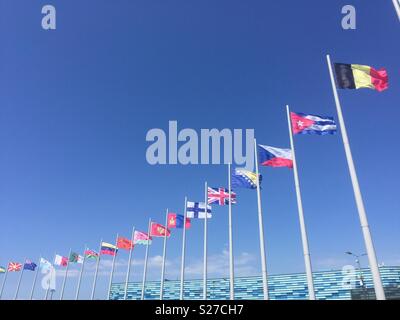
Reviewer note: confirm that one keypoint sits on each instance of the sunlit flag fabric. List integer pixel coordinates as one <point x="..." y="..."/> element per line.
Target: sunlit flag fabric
<point x="197" y="210"/>
<point x="220" y="196"/>
<point x="124" y="243"/>
<point x="60" y="261"/>
<point x="176" y="221"/>
<point x="91" y="254"/>
<point x="355" y="76"/>
<point x="44" y="264"/>
<point x="2" y="270"/>
<point x="242" y="178"/>
<point x="312" y="124"/>
<point x="140" y="237"/>
<point x="14" y="267"/>
<point x="108" y="249"/>
<point x="158" y="230"/>
<point x="29" y="265"/>
<point x="275" y="157"/>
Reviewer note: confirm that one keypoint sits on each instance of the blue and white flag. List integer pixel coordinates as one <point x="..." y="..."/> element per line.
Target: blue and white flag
<point x="245" y="179"/>
<point x="196" y="210"/>
<point x="312" y="124"/>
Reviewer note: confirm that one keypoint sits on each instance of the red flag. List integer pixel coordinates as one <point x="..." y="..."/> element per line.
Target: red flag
<point x="14" y="266"/>
<point x="158" y="230"/>
<point x="124" y="243"/>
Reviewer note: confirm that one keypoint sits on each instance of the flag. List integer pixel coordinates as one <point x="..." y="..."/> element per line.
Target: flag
<point x="14" y="267"/>
<point x="275" y="157"/>
<point x="196" y="210"/>
<point x="355" y="76"/>
<point x="245" y="179"/>
<point x="2" y="269"/>
<point x="91" y="254"/>
<point x="158" y="230"/>
<point x="108" y="249"/>
<point x="312" y="124"/>
<point x="60" y="261"/>
<point x="74" y="257"/>
<point x="124" y="243"/>
<point x="44" y="264"/>
<point x="29" y="265"/>
<point x="176" y="221"/>
<point x="220" y="196"/>
<point x="140" y="237"/>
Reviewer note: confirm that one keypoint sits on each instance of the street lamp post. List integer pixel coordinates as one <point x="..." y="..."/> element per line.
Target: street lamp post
<point x="357" y="257"/>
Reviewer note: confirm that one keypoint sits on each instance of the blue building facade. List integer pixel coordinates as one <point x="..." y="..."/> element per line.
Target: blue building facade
<point x="329" y="285"/>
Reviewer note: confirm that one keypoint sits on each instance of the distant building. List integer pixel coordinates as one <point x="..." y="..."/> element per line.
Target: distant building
<point x="329" y="285"/>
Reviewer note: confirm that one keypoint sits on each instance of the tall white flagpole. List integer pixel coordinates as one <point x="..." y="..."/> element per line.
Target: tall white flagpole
<point x="379" y="292"/>
<point x="231" y="266"/>
<point x="396" y="4"/>
<point x="261" y="228"/>
<point x="164" y="256"/>
<point x="65" y="275"/>
<point x="145" y="261"/>
<point x="19" y="280"/>
<point x="128" y="271"/>
<point x="81" y="273"/>
<point x="34" y="279"/>
<point x="303" y="230"/>
<point x="96" y="271"/>
<point x="205" y="246"/>
<point x="4" y="282"/>
<point x="181" y="292"/>
<point x="112" y="268"/>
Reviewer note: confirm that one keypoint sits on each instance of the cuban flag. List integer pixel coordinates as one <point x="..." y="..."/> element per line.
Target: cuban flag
<point x="275" y="157"/>
<point x="312" y="124"/>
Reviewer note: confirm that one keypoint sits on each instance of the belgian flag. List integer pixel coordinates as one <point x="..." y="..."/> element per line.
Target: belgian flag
<point x="356" y="76"/>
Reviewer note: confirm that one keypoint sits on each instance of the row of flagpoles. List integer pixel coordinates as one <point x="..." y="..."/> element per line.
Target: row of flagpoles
<point x="347" y="77"/>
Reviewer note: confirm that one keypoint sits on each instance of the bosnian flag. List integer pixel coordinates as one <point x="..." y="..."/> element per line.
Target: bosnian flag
<point x="275" y="157"/>
<point x="312" y="124"/>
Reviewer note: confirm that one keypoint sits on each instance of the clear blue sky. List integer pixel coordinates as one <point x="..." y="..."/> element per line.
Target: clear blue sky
<point x="76" y="104"/>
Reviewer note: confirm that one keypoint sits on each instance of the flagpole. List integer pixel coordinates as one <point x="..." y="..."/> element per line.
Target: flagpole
<point x="164" y="255"/>
<point x="51" y="273"/>
<point x="128" y="271"/>
<point x="304" y="238"/>
<point x="65" y="275"/>
<point x="396" y="4"/>
<point x="34" y="280"/>
<point x="96" y="271"/>
<point x="19" y="280"/>
<point x="261" y="228"/>
<point x="4" y="281"/>
<point x="380" y="294"/>
<point x="183" y="252"/>
<point x="205" y="246"/>
<point x="112" y="268"/>
<point x="80" y="273"/>
<point x="231" y="266"/>
<point x="145" y="260"/>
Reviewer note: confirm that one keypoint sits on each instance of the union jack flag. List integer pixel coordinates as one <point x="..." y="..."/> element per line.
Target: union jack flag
<point x="221" y="196"/>
<point x="14" y="266"/>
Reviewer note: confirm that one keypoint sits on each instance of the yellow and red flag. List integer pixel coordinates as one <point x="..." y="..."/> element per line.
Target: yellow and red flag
<point x="158" y="230"/>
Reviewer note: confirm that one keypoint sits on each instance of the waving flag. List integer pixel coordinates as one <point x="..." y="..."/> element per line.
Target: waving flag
<point x="108" y="249"/>
<point x="29" y="265"/>
<point x="220" y="196"/>
<point x="197" y="210"/>
<point x="91" y="254"/>
<point x="140" y="237"/>
<point x="176" y="221"/>
<point x="124" y="243"/>
<point x="14" y="267"/>
<point x="158" y="230"/>
<point x="275" y="157"/>
<point x="355" y="76"/>
<point x="245" y="179"/>
<point x="44" y="264"/>
<point x="312" y="124"/>
<point x="2" y="270"/>
<point x="60" y="261"/>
